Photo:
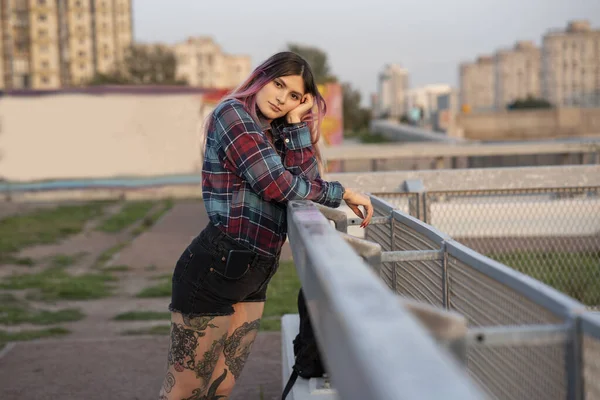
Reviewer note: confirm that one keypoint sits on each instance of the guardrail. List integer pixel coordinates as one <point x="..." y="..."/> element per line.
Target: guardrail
<point x="525" y="341"/>
<point x="373" y="346"/>
<point x="539" y="221"/>
<point x="432" y="155"/>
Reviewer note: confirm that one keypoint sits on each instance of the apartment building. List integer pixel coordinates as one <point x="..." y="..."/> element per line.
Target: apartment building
<point x="477" y="84"/>
<point x="47" y="44"/>
<point x="517" y="73"/>
<point x="426" y="97"/>
<point x="571" y="65"/>
<point x="393" y="87"/>
<point x="202" y="62"/>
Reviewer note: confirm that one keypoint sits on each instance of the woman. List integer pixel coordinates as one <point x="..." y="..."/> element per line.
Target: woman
<point x="260" y="152"/>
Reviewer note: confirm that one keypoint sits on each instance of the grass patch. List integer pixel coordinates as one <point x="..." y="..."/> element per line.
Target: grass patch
<point x="162" y="289"/>
<point x="130" y="213"/>
<point x="56" y="284"/>
<point x="116" y="268"/>
<point x="282" y="296"/>
<point x="45" y="226"/>
<point x="574" y="274"/>
<point x="155" y="330"/>
<point x="64" y="260"/>
<point x="151" y="219"/>
<point x="6" y="337"/>
<point x="143" y="316"/>
<point x="14" y="312"/>
<point x="25" y="261"/>
<point x="109" y="253"/>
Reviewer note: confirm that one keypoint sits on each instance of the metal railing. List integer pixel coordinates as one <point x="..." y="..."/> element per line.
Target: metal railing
<point x="373" y="345"/>
<point x="526" y="340"/>
<point x="544" y="222"/>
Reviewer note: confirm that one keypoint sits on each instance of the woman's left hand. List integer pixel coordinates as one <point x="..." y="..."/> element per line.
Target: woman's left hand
<point x="295" y="116"/>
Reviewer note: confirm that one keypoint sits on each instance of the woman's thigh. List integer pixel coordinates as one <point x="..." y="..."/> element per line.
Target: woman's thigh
<point x="242" y="332"/>
<point x="195" y="348"/>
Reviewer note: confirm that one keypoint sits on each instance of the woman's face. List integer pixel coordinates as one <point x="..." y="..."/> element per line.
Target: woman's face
<point x="280" y="96"/>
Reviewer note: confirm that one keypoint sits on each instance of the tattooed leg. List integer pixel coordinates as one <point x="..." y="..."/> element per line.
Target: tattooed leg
<point x="236" y="349"/>
<point x="196" y="345"/>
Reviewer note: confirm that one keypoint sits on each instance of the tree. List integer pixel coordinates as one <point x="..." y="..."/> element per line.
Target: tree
<point x="356" y="118"/>
<point x="529" y="103"/>
<point x="143" y="65"/>
<point x="317" y="59"/>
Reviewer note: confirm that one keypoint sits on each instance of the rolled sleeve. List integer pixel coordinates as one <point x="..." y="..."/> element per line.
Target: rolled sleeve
<point x="296" y="136"/>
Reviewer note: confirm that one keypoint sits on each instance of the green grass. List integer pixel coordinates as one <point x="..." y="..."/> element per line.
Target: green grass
<point x="143" y="316"/>
<point x="130" y="213"/>
<point x="162" y="289"/>
<point x="150" y="220"/>
<point x="31" y="335"/>
<point x="282" y="296"/>
<point x="109" y="253"/>
<point x="116" y="268"/>
<point x="45" y="226"/>
<point x="155" y="330"/>
<point x="14" y="312"/>
<point x="574" y="274"/>
<point x="25" y="261"/>
<point x="56" y="284"/>
<point x="64" y="260"/>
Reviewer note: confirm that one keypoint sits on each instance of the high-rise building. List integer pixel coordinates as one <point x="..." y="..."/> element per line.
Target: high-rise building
<point x="426" y="97"/>
<point x="477" y="87"/>
<point x="46" y="44"/>
<point x="571" y="65"/>
<point x="517" y="73"/>
<point x="201" y="62"/>
<point x="393" y="87"/>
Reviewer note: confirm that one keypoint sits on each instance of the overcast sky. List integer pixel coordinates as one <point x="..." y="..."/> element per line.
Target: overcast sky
<point x="429" y="37"/>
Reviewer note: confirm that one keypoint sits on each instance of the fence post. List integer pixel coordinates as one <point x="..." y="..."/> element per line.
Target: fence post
<point x="416" y="187"/>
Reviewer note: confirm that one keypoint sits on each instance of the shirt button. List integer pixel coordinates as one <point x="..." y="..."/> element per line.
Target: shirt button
<point x="287" y="140"/>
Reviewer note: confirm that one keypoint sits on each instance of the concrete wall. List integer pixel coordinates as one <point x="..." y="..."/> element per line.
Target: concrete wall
<point x="88" y="136"/>
<point x="531" y="125"/>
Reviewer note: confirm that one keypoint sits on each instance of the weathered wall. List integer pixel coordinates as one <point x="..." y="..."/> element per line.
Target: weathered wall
<point x="531" y="125"/>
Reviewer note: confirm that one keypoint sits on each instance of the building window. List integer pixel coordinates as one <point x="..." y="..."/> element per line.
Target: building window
<point x="45" y="80"/>
<point x="45" y="64"/>
<point x="42" y="2"/>
<point x="42" y="17"/>
<point x="42" y="32"/>
<point x="82" y="66"/>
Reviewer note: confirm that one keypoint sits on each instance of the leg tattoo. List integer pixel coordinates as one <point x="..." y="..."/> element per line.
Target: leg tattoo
<point x="212" y="391"/>
<point x="238" y="345"/>
<point x="199" y="323"/>
<point x="184" y="341"/>
<point x="206" y="366"/>
<point x="169" y="382"/>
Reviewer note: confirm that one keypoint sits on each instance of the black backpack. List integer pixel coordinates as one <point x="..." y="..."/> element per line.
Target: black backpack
<point x="307" y="358"/>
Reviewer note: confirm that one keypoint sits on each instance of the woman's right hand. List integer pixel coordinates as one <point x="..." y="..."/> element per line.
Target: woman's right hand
<point x="354" y="200"/>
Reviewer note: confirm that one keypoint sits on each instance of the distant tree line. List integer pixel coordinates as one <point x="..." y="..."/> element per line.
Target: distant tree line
<point x="530" y="102"/>
<point x="142" y="65"/>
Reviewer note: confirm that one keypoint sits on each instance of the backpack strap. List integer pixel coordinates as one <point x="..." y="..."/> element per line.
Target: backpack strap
<point x="290" y="384"/>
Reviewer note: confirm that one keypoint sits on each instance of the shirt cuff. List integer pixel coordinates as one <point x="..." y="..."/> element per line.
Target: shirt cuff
<point x="296" y="136"/>
<point x="335" y="193"/>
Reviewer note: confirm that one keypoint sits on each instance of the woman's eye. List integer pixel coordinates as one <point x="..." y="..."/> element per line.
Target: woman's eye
<point x="295" y="97"/>
<point x="277" y="84"/>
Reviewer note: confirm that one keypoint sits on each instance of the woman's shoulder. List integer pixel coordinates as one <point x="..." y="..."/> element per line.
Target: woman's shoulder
<point x="228" y="105"/>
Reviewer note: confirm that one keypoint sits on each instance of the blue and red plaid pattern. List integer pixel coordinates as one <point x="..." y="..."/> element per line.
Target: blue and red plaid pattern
<point x="246" y="182"/>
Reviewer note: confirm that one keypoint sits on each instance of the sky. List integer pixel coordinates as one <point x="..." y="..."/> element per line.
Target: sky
<point x="428" y="37"/>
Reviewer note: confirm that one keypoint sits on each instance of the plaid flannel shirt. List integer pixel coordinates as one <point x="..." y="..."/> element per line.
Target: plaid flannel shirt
<point x="246" y="182"/>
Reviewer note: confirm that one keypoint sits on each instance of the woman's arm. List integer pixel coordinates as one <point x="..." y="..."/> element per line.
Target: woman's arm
<point x="300" y="158"/>
<point x="249" y="156"/>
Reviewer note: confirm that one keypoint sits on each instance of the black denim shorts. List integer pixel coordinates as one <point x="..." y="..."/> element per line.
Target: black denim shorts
<point x="202" y="285"/>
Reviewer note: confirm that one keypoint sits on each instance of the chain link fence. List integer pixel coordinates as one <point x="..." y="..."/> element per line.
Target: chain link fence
<point x="552" y="235"/>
